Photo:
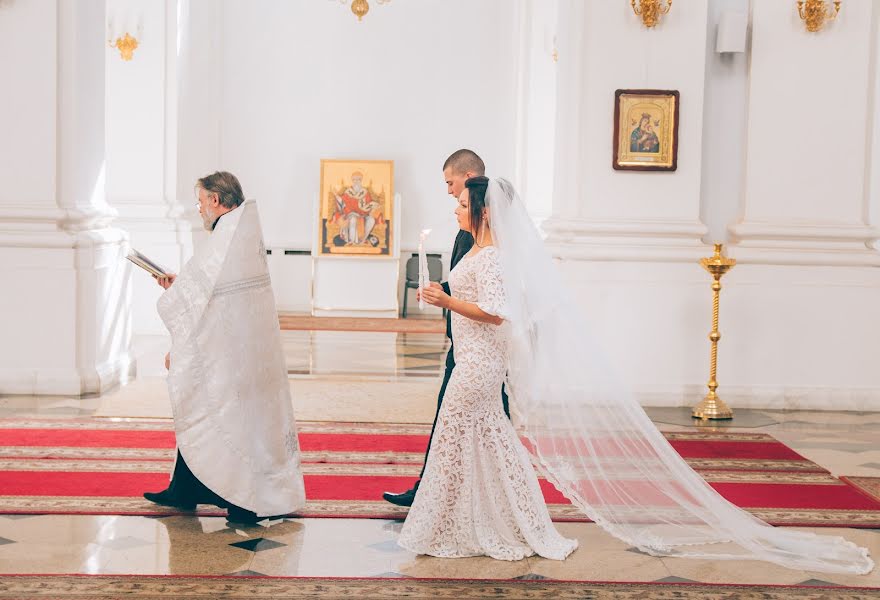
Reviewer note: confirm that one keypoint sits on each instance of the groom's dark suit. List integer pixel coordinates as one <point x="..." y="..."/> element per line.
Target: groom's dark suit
<point x="464" y="241"/>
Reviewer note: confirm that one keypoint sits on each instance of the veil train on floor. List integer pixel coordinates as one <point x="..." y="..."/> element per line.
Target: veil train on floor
<point x="590" y="437"/>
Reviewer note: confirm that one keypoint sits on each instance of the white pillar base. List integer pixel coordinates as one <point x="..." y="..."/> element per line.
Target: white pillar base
<point x="65" y="311"/>
<point x="68" y="382"/>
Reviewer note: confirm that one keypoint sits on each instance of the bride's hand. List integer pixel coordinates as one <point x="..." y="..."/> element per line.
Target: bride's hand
<point x="435" y="296"/>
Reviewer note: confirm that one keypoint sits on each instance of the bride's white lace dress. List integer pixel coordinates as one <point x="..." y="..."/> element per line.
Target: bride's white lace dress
<point x="479" y="494"/>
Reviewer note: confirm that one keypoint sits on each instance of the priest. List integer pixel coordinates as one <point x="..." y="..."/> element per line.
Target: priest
<point x="227" y="380"/>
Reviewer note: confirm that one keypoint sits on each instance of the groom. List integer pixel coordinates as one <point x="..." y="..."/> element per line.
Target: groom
<point x="458" y="168"/>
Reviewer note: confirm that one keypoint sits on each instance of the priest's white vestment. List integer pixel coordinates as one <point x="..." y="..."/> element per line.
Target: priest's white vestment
<point x="228" y="383"/>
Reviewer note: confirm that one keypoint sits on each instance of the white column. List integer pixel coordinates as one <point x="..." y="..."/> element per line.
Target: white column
<point x="600" y="213"/>
<point x="802" y="304"/>
<point x="724" y="116"/>
<point x="537" y="22"/>
<point x="569" y="83"/>
<point x="201" y="64"/>
<point x="873" y="192"/>
<point x="806" y="199"/>
<point x="142" y="137"/>
<point x="65" y="303"/>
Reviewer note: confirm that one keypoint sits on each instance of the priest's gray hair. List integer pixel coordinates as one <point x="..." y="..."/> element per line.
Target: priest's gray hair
<point x="225" y="185"/>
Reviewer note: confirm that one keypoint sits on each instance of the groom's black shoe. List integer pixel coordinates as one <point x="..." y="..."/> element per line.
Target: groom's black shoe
<point x="166" y="499"/>
<point x="404" y="499"/>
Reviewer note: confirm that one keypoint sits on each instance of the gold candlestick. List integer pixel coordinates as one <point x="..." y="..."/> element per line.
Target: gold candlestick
<point x="713" y="407"/>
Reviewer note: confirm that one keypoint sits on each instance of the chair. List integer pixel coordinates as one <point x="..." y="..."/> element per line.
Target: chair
<point x="435" y="273"/>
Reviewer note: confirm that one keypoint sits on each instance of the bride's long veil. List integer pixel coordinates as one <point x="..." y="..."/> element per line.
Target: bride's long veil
<point x="589" y="436"/>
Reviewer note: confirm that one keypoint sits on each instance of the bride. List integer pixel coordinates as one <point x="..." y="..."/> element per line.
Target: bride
<point x="479" y="494"/>
<point x="581" y="427"/>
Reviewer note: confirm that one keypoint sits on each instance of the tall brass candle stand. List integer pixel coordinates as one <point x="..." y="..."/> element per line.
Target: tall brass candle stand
<point x="713" y="407"/>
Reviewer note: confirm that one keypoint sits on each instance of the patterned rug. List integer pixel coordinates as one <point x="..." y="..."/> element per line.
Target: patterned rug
<point x="145" y="587"/>
<point x="295" y="322"/>
<point x="869" y="485"/>
<point x="95" y="466"/>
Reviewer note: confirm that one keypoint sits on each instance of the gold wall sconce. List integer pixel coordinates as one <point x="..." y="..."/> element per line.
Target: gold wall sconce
<point x="650" y="10"/>
<point x="125" y="31"/>
<point x="815" y="13"/>
<point x="361" y="7"/>
<point x="126" y="46"/>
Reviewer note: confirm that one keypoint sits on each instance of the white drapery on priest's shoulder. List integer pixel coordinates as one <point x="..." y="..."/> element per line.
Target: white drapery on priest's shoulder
<point x="228" y="383"/>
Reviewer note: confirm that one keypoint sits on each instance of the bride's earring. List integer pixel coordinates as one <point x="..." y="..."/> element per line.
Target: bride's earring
<point x="482" y="232"/>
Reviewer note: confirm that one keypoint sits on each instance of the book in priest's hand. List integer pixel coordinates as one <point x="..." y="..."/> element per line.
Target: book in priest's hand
<point x="146" y="264"/>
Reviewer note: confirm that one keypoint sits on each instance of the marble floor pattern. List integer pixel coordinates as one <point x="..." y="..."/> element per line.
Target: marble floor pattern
<point x="845" y="443"/>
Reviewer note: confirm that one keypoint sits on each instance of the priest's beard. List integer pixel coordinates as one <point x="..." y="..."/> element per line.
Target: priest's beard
<point x="208" y="218"/>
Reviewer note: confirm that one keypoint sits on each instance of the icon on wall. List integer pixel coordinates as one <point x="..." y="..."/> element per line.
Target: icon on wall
<point x="357" y="208"/>
<point x="645" y="130"/>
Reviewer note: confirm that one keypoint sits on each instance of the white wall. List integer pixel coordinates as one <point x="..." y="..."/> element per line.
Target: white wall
<point x="414" y="81"/>
<point x="270" y="88"/>
<point x="620" y="53"/>
<point x="802" y="300"/>
<point x="601" y="213"/>
<point x="808" y="134"/>
<point x="610" y="49"/>
<point x="796" y="313"/>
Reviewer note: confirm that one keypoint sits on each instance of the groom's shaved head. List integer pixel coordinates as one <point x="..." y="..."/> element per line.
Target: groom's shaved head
<point x="465" y="161"/>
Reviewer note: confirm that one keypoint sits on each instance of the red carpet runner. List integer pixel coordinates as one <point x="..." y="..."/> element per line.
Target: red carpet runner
<point x="102" y="467"/>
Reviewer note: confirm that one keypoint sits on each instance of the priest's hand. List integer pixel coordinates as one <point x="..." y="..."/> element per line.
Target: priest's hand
<point x="166" y="280"/>
<point x="168" y="361"/>
<point x="435" y="296"/>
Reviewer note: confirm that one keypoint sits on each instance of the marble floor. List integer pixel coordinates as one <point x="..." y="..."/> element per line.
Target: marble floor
<point x="334" y="376"/>
<point x="845" y="443"/>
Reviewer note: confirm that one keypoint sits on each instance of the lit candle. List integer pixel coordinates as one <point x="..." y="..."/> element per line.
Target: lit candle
<point x="423" y="267"/>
